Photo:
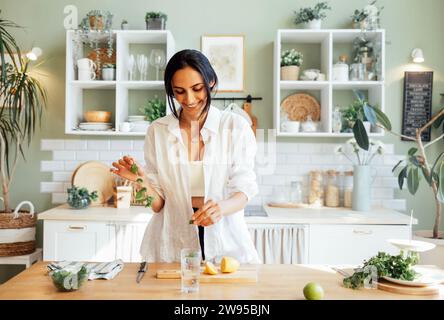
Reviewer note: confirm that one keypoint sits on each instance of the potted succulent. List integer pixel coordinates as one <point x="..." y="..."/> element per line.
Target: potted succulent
<point x="23" y="99"/>
<point x="311" y="18"/>
<point x="154" y="109"/>
<point x="80" y="198"/>
<point x="124" y="25"/>
<point x="367" y="18"/>
<point x="416" y="163"/>
<point x="155" y="20"/>
<point x="355" y="111"/>
<point x="291" y="60"/>
<point x="108" y="71"/>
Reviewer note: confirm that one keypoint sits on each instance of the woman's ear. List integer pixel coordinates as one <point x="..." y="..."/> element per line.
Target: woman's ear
<point x="212" y="83"/>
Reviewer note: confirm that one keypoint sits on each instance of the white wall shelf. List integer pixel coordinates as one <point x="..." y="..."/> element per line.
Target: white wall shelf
<point x="325" y="46"/>
<point x="116" y="95"/>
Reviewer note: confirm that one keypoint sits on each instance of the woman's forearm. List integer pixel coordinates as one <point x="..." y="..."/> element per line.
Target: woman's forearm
<point x="235" y="203"/>
<point x="158" y="202"/>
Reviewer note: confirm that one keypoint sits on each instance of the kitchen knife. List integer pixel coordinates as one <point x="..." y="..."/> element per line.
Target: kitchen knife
<point x="142" y="269"/>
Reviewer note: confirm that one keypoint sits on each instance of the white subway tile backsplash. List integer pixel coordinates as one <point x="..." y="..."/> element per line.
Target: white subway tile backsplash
<point x="383" y="171"/>
<point x="110" y="155"/>
<point x="285" y="147"/>
<point x="265" y="191"/>
<point x="382" y="193"/>
<point x="64" y="155"/>
<point x="256" y="201"/>
<point x="286" y="169"/>
<point x="58" y="198"/>
<point x="52" y="144"/>
<point x="138" y="145"/>
<point x="49" y="166"/>
<point x="98" y="145"/>
<point x="48" y="187"/>
<point x="298" y="159"/>
<point x="123" y="145"/>
<point x="66" y="185"/>
<point x="389" y="149"/>
<point x="273" y="180"/>
<point x="395" y="204"/>
<point x="75" y="144"/>
<point x="72" y="165"/>
<point x="61" y="176"/>
<point x="138" y="155"/>
<point x="310" y="148"/>
<point x="392" y="160"/>
<point x="87" y="155"/>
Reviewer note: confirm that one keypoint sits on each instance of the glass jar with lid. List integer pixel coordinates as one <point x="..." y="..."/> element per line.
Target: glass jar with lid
<point x="348" y="188"/>
<point x="341" y="69"/>
<point x="296" y="192"/>
<point x="316" y="196"/>
<point x="332" y="189"/>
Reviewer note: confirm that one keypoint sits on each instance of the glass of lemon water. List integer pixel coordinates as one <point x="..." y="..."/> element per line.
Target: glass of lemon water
<point x="190" y="260"/>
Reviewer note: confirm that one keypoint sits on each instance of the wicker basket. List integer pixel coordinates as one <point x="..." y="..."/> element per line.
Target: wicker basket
<point x="17" y="232"/>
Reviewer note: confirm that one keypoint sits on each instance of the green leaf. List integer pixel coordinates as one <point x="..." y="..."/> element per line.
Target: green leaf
<point x="402" y="175"/>
<point x="413" y="180"/>
<point x="412" y="151"/>
<point x="370" y="113"/>
<point x="397" y="165"/>
<point x="360" y="134"/>
<point x="134" y="168"/>
<point x="426" y="176"/>
<point x="441" y="185"/>
<point x="139" y="180"/>
<point x="436" y="161"/>
<point x="414" y="160"/>
<point x="382" y="118"/>
<point x="359" y="95"/>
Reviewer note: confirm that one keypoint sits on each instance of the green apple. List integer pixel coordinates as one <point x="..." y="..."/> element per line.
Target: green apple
<point x="313" y="291"/>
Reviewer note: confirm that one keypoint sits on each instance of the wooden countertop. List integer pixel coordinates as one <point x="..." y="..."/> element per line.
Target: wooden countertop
<point x="283" y="282"/>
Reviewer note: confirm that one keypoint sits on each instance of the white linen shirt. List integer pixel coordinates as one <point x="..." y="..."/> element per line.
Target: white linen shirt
<point x="230" y="150"/>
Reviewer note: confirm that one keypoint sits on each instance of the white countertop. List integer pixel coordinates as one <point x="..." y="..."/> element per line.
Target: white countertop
<point x="275" y="215"/>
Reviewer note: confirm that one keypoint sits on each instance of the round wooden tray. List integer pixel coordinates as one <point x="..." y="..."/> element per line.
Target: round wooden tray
<point x="300" y="105"/>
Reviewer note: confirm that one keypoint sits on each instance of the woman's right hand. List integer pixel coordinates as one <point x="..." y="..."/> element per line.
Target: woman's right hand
<point x="123" y="168"/>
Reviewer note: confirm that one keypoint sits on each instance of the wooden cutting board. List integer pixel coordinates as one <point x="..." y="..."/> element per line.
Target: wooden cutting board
<point x="398" y="288"/>
<point x="243" y="275"/>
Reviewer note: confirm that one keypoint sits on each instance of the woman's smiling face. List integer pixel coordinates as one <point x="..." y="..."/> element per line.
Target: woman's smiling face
<point x="189" y="90"/>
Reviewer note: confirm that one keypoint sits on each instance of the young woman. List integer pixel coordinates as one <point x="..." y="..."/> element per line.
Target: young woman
<point x="199" y="167"/>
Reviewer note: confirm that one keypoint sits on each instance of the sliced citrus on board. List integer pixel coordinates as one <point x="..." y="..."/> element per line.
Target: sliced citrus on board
<point x="229" y="264"/>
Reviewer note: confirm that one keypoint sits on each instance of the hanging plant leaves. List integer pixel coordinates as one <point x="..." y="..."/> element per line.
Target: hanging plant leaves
<point x="402" y="175"/>
<point x="414" y="160"/>
<point x="413" y="180"/>
<point x="360" y="134"/>
<point x="397" y="165"/>
<point x="412" y="151"/>
<point x="370" y="113"/>
<point x="359" y="95"/>
<point x="383" y="119"/>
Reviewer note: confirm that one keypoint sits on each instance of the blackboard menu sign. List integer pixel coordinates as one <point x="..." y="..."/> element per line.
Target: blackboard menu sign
<point x="417" y="106"/>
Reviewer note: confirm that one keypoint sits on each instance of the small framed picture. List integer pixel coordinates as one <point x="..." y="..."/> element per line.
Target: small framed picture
<point x="226" y="54"/>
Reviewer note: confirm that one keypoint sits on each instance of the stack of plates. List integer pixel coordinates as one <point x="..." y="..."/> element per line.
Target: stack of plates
<point x="136" y="118"/>
<point x="95" y="126"/>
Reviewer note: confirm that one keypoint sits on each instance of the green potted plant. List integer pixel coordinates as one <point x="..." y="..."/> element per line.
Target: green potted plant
<point x="124" y="25"/>
<point x="154" y="109"/>
<point x="108" y="71"/>
<point x="367" y="18"/>
<point x="155" y="20"/>
<point x="355" y="111"/>
<point x="23" y="99"/>
<point x="291" y="60"/>
<point x="417" y="163"/>
<point x="80" y="198"/>
<point x="311" y="18"/>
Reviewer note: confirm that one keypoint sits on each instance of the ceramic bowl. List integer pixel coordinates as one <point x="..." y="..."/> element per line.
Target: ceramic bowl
<point x="97" y="116"/>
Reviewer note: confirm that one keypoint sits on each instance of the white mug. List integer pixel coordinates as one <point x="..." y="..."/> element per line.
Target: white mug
<point x="291" y="126"/>
<point x="108" y="74"/>
<point x="86" y="75"/>
<point x="86" y="63"/>
<point x="123" y="197"/>
<point x="126" y="126"/>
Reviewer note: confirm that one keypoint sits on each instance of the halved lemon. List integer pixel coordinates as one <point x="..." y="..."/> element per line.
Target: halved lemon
<point x="210" y="268"/>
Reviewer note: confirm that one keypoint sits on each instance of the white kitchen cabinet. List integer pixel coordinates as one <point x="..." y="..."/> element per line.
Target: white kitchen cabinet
<point x="78" y="241"/>
<point x="321" y="50"/>
<point x="351" y="244"/>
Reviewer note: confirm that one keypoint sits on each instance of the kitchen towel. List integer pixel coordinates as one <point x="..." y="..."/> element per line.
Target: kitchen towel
<point x="96" y="270"/>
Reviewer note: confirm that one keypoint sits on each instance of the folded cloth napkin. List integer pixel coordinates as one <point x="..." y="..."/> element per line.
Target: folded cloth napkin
<point x="96" y="270"/>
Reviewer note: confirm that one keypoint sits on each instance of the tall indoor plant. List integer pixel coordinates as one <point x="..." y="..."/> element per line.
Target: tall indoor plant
<point x="417" y="161"/>
<point x="22" y="99"/>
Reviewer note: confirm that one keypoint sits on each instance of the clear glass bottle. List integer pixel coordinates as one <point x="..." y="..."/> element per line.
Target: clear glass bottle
<point x="337" y="120"/>
<point x="332" y="192"/>
<point x="348" y="188"/>
<point x="316" y="196"/>
<point x="296" y="192"/>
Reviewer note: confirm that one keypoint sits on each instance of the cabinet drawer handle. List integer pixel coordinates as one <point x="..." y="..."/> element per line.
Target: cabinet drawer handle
<point x="362" y="231"/>
<point x="77" y="227"/>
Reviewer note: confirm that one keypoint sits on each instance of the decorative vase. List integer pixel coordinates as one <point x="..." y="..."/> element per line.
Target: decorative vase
<point x="362" y="181"/>
<point x="290" y="73"/>
<point x="125" y="26"/>
<point x="78" y="203"/>
<point x="155" y="24"/>
<point x="434" y="256"/>
<point x="313" y="24"/>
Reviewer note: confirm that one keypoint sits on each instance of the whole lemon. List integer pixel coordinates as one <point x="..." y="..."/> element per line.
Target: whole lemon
<point x="313" y="291"/>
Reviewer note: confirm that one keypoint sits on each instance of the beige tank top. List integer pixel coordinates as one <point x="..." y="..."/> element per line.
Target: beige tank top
<point x="197" y="181"/>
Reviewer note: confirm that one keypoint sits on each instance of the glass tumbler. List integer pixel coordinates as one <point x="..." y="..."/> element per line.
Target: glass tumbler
<point x="190" y="269"/>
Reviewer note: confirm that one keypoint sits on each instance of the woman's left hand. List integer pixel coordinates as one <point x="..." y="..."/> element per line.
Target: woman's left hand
<point x="209" y="214"/>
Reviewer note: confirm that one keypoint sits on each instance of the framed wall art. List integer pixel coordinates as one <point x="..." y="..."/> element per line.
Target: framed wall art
<point x="226" y="54"/>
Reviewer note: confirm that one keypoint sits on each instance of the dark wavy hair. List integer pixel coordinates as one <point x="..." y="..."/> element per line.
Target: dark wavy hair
<point x="196" y="60"/>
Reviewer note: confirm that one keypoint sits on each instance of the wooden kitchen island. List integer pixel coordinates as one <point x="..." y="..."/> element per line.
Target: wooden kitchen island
<point x="275" y="282"/>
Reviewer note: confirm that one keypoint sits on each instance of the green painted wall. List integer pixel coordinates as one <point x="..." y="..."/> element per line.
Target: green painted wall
<point x="408" y="24"/>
